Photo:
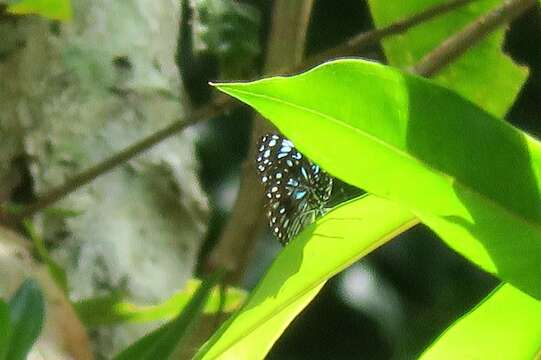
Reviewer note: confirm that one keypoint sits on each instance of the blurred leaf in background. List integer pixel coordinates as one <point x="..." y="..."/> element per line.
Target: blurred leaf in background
<point x="24" y="322"/>
<point x="228" y="30"/>
<point x="5" y="329"/>
<point x="113" y="309"/>
<point x="56" y="271"/>
<point x="52" y="9"/>
<point x="475" y="74"/>
<point x="162" y="342"/>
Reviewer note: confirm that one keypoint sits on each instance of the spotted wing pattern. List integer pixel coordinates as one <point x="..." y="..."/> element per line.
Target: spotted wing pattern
<point x="297" y="190"/>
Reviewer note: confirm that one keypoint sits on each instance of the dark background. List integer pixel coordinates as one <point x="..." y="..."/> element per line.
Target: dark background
<point x="422" y="286"/>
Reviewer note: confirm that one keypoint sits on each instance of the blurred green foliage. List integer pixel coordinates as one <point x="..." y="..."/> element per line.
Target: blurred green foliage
<point x="21" y="322"/>
<point x="162" y="342"/>
<point x="472" y="75"/>
<point x="229" y="31"/>
<point x="52" y="9"/>
<point x="114" y="310"/>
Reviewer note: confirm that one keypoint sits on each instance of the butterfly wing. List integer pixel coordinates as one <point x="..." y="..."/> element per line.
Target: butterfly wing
<point x="296" y="188"/>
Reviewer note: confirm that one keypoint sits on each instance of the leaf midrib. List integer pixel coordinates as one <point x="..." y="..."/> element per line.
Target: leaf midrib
<point x="407" y="156"/>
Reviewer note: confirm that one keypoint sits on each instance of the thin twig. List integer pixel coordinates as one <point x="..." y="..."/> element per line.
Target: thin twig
<point x="458" y="44"/>
<point x="215" y="108"/>
<point x="351" y="46"/>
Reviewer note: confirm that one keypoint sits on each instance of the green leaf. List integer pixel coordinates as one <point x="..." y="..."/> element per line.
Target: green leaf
<point x="473" y="179"/>
<point x="145" y="348"/>
<point x="5" y="329"/>
<point x="62" y="213"/>
<point x="113" y="310"/>
<point x="161" y="343"/>
<point x="484" y="75"/>
<point x="52" y="9"/>
<point x="57" y="272"/>
<point x="27" y="310"/>
<point x="506" y="325"/>
<point x="323" y="249"/>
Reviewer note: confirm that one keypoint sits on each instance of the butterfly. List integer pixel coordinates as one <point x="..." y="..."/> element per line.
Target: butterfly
<point x="297" y="190"/>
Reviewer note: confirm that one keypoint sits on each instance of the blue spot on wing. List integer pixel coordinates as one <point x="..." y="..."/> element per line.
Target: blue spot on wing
<point x="299" y="194"/>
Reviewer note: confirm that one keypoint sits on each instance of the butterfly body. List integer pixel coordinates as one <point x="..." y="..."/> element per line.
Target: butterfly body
<point x="297" y="190"/>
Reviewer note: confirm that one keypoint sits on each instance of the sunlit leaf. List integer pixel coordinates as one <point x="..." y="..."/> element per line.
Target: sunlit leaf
<point x="323" y="249"/>
<point x="473" y="179"/>
<point x="506" y="325"/>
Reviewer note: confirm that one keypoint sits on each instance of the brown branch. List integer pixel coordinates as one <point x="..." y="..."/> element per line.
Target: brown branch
<point x="458" y="44"/>
<point x="286" y="46"/>
<point x="350" y="47"/>
<point x="353" y="44"/>
<point x="215" y="108"/>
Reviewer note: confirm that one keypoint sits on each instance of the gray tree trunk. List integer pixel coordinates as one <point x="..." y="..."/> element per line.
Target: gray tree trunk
<point x="74" y="94"/>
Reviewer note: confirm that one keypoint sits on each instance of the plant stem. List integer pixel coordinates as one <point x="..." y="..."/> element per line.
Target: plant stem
<point x="286" y="43"/>
<point x="353" y="44"/>
<point x="221" y="105"/>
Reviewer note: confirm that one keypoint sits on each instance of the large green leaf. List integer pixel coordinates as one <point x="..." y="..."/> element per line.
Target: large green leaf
<point x="323" y="249"/>
<point x="27" y="311"/>
<point x="471" y="178"/>
<point x="52" y="9"/>
<point x="484" y="74"/>
<point x="506" y="325"/>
